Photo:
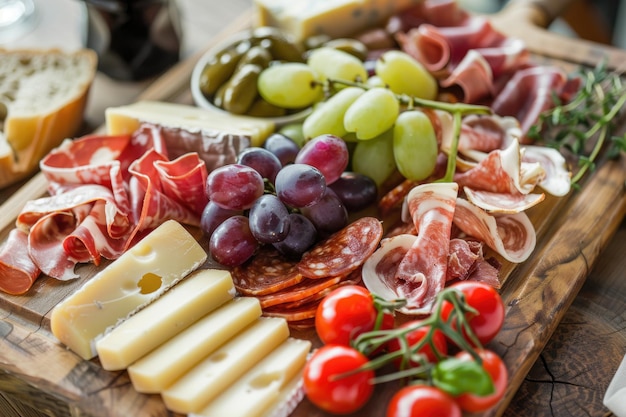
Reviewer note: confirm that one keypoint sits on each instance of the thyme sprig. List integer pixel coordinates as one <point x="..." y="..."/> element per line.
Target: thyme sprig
<point x="584" y="126"/>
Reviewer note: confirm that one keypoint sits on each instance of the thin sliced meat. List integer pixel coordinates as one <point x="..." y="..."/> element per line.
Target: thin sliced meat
<point x="415" y="267"/>
<point x="267" y="272"/>
<point x="473" y="76"/>
<point x="510" y="235"/>
<point x="503" y="203"/>
<point x="306" y="311"/>
<point x="529" y="92"/>
<point x="463" y="257"/>
<point x="304" y="289"/>
<point x="344" y="251"/>
<point x="18" y="272"/>
<point x="502" y="171"/>
<point x="557" y="181"/>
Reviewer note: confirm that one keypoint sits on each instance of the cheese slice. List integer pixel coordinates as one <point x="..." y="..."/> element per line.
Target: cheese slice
<point x="335" y="18"/>
<point x="255" y="393"/>
<point x="131" y="282"/>
<point x="188" y="301"/>
<point x="214" y="129"/>
<point x="194" y="390"/>
<point x="160" y="368"/>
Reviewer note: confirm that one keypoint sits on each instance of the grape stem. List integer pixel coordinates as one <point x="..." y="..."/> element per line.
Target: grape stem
<point x="412" y="102"/>
<point x="458" y="110"/>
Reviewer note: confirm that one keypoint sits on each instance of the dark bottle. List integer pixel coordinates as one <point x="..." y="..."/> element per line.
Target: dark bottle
<point x="134" y="39"/>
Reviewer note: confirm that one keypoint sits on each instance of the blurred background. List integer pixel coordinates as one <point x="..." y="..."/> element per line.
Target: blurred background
<point x="63" y="23"/>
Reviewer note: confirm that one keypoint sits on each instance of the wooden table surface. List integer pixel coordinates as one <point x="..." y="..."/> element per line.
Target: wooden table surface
<point x="575" y="367"/>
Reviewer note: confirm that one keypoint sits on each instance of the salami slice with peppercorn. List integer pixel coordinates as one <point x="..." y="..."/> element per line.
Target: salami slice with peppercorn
<point x="267" y="273"/>
<point x="344" y="251"/>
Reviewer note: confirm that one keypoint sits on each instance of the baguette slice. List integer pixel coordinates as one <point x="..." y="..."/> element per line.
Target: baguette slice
<point x="43" y="94"/>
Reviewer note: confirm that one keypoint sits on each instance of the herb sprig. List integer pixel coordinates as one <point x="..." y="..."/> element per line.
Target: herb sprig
<point x="585" y="125"/>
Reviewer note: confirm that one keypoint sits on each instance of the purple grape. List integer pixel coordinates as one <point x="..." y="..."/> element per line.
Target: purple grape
<point x="232" y="243"/>
<point x="328" y="153"/>
<point x="283" y="147"/>
<point x="356" y="191"/>
<point x="214" y="215"/>
<point x="235" y="186"/>
<point x="327" y="215"/>
<point x="300" y="185"/>
<point x="268" y="219"/>
<point x="263" y="161"/>
<point x="302" y="235"/>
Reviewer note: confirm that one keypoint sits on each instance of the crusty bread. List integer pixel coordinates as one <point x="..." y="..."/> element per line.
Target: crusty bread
<point x="43" y="94"/>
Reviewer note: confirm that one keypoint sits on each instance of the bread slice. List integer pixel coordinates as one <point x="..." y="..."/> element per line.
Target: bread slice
<point x="43" y="94"/>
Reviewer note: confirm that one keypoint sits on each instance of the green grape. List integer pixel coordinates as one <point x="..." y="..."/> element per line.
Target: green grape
<point x="414" y="145"/>
<point x="335" y="64"/>
<point x="375" y="81"/>
<point x="405" y="75"/>
<point x="290" y="85"/>
<point x="294" y="132"/>
<point x="372" y="113"/>
<point x="327" y="118"/>
<point x="374" y="157"/>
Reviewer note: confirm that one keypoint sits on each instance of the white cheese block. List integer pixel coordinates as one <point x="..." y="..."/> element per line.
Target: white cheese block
<point x="159" y="369"/>
<point x="194" y="390"/>
<point x="217" y="129"/>
<point x="131" y="282"/>
<point x="257" y="391"/>
<point x="335" y="18"/>
<point x="188" y="301"/>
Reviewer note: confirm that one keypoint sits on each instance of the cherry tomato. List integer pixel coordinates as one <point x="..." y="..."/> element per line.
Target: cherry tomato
<point x="486" y="300"/>
<point x="417" y="335"/>
<point x="495" y="367"/>
<point x="422" y="400"/>
<point x="345" y="313"/>
<point x="339" y="395"/>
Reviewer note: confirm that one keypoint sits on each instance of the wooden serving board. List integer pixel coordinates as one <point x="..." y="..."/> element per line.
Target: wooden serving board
<point x="38" y="376"/>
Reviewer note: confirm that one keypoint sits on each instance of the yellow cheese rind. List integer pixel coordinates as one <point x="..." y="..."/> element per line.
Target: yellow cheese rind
<point x="131" y="282"/>
<point x="160" y="368"/>
<point x="257" y="391"/>
<point x="339" y="18"/>
<point x="217" y="126"/>
<point x="188" y="301"/>
<point x="194" y="390"/>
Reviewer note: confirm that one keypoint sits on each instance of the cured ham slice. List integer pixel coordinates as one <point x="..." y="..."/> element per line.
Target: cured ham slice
<point x="421" y="271"/>
<point x="510" y="235"/>
<point x="502" y="203"/>
<point x="528" y="93"/>
<point x="473" y="76"/>
<point x="18" y="272"/>
<point x="557" y="181"/>
<point x="106" y="193"/>
<point x="502" y="171"/>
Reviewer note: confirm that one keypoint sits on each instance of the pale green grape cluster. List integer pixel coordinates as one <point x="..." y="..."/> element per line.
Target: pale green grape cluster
<point x="361" y="107"/>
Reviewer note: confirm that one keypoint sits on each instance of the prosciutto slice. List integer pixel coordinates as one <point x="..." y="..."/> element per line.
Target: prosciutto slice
<point x="421" y="271"/>
<point x="106" y="194"/>
<point x="510" y="235"/>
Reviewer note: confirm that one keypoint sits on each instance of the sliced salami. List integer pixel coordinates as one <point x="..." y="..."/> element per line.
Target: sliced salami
<point x="306" y="311"/>
<point x="303" y="290"/>
<point x="344" y="251"/>
<point x="268" y="272"/>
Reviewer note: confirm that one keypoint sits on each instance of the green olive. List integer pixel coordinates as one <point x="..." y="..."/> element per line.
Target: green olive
<point x="351" y="46"/>
<point x="219" y="69"/>
<point x="316" y="41"/>
<point x="280" y="46"/>
<point x="256" y="55"/>
<point x="261" y="108"/>
<point x="218" y="97"/>
<point x="241" y="89"/>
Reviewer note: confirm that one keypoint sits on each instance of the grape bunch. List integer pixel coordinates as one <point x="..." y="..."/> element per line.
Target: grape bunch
<point x="282" y="195"/>
<point x="368" y="107"/>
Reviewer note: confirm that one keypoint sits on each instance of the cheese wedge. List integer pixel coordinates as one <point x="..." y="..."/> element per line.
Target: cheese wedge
<point x="207" y="130"/>
<point x="194" y="390"/>
<point x="255" y="393"/>
<point x="131" y="282"/>
<point x="160" y="368"/>
<point x="335" y="18"/>
<point x="188" y="301"/>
